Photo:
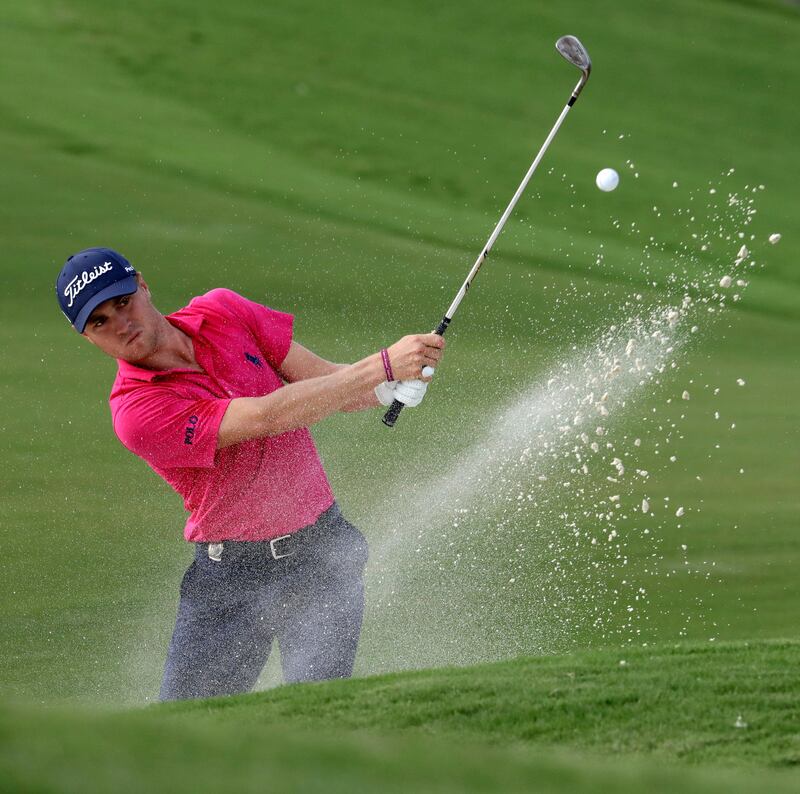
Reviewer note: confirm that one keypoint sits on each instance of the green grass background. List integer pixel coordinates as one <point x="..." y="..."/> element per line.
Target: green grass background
<point x="346" y="163"/>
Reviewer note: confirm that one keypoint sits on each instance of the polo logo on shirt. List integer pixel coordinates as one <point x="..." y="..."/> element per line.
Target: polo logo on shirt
<point x="253" y="359"/>
<point x="189" y="432"/>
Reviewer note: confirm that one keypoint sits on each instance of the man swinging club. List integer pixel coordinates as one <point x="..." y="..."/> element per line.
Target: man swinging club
<point x="217" y="398"/>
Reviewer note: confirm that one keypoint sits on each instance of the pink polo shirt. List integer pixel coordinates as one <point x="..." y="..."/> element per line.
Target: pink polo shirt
<point x="254" y="490"/>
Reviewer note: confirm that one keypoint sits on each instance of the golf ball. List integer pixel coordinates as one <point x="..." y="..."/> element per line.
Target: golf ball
<point x="607" y="179"/>
<point x="427" y="372"/>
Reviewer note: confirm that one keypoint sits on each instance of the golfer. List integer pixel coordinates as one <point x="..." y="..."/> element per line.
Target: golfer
<point x="217" y="398"/>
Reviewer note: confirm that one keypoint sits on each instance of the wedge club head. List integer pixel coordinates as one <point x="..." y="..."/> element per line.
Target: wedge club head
<point x="576" y="54"/>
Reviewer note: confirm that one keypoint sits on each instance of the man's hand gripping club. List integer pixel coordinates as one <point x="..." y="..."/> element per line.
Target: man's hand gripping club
<point x="409" y="365"/>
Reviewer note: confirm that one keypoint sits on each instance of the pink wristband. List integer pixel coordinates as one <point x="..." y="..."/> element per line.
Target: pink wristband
<point x="387" y="365"/>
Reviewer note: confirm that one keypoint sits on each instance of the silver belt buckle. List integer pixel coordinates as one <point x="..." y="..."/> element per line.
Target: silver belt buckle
<point x="215" y="552"/>
<point x="275" y="555"/>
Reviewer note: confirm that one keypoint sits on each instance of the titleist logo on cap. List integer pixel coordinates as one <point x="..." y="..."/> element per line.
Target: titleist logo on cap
<point x="73" y="289"/>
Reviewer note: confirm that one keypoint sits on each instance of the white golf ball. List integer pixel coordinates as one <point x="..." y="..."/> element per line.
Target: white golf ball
<point x="607" y="179"/>
<point x="427" y="372"/>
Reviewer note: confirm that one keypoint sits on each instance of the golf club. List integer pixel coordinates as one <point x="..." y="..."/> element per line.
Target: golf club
<point x="576" y="54"/>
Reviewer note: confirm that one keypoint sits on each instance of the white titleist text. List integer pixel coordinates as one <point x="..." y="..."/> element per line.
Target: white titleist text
<point x="79" y="282"/>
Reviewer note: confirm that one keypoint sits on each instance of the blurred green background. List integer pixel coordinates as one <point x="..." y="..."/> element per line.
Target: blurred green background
<point x="346" y="163"/>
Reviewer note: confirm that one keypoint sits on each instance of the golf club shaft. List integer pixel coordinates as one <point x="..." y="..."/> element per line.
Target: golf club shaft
<point x="390" y="417"/>
<point x="502" y="222"/>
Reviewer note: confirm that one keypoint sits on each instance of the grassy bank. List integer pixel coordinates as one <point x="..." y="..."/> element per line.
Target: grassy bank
<point x="697" y="719"/>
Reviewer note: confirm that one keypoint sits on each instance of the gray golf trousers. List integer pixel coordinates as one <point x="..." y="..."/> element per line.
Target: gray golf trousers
<point x="231" y="610"/>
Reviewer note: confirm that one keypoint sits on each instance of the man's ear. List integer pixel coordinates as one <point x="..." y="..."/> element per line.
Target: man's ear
<point x="142" y="283"/>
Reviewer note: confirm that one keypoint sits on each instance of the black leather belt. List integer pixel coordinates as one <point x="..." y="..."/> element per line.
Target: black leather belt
<point x="278" y="548"/>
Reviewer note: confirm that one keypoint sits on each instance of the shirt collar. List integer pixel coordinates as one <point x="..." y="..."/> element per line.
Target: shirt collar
<point x="189" y="324"/>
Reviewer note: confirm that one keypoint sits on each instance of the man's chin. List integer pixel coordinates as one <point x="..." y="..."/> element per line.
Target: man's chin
<point x="136" y="353"/>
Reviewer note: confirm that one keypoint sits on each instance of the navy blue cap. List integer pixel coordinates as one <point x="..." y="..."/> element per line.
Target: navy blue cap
<point x="90" y="277"/>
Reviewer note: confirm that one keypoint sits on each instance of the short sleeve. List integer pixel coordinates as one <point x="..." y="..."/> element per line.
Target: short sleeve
<point x="168" y="430"/>
<point x="271" y="328"/>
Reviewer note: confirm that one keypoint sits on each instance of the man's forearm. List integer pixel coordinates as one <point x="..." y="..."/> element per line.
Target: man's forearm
<point x="362" y="401"/>
<point x="302" y="403"/>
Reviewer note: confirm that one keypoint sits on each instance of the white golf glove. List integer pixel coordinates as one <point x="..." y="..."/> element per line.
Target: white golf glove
<point x="385" y="392"/>
<point x="408" y="392"/>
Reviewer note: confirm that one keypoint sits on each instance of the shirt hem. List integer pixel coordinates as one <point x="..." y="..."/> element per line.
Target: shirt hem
<point x="201" y="537"/>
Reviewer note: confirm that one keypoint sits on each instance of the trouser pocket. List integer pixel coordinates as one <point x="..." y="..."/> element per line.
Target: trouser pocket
<point x="346" y="546"/>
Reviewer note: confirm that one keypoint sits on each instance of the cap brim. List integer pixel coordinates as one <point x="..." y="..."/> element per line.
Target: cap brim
<point x="127" y="286"/>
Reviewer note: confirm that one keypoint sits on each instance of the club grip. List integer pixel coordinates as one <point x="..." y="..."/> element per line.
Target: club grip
<point x="390" y="417"/>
